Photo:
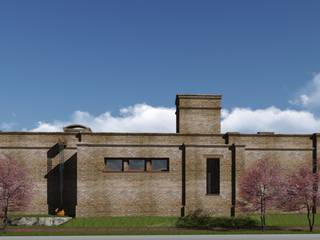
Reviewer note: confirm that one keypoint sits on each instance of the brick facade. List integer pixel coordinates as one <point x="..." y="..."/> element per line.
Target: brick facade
<point x="90" y="190"/>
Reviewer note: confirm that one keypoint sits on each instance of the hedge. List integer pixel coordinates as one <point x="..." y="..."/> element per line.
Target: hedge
<point x="199" y="220"/>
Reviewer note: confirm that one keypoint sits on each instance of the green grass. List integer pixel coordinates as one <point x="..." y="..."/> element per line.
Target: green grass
<point x="122" y="222"/>
<point x="158" y="226"/>
<point x="288" y="220"/>
<point x="276" y="220"/>
<point x="178" y="232"/>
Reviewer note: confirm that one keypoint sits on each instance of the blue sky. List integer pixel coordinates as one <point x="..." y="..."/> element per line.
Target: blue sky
<point x="97" y="57"/>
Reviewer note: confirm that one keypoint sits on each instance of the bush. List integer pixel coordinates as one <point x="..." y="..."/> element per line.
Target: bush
<point x="195" y="219"/>
<point x="198" y="219"/>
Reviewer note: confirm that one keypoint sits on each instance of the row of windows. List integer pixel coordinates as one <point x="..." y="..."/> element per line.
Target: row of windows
<point x="137" y="164"/>
<point x="162" y="165"/>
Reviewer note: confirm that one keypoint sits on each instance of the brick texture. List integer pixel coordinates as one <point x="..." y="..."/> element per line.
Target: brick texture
<point x="91" y="191"/>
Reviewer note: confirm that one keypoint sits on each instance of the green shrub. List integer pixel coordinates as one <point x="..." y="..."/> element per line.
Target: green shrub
<point x="245" y="222"/>
<point x="198" y="219"/>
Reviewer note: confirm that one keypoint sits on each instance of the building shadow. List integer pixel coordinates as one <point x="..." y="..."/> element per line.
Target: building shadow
<point x="69" y="194"/>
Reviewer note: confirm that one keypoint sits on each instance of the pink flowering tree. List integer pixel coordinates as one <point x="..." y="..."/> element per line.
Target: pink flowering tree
<point x="14" y="188"/>
<point x="302" y="193"/>
<point x="259" y="188"/>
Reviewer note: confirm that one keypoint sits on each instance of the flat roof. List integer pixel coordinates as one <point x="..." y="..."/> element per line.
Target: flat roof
<point x="162" y="134"/>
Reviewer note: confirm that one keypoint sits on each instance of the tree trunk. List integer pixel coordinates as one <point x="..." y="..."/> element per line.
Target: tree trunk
<point x="3" y="220"/>
<point x="262" y="215"/>
<point x="310" y="221"/>
<point x="311" y="228"/>
<point x="5" y="217"/>
<point x="314" y="201"/>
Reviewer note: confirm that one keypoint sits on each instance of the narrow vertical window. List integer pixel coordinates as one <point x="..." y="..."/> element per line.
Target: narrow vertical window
<point x="213" y="176"/>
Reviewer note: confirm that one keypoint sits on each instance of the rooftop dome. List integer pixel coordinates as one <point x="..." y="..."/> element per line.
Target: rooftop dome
<point x="76" y="128"/>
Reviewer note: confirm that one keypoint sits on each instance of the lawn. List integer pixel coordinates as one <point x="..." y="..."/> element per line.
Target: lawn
<point x="122" y="222"/>
<point x="275" y="220"/>
<point x="156" y="225"/>
<point x="151" y="232"/>
<point x="288" y="220"/>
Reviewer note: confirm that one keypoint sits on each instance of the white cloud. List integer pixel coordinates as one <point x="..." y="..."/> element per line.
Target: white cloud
<point x="271" y="119"/>
<point x="137" y="118"/>
<point x="55" y="126"/>
<point x="310" y="94"/>
<point x="146" y="118"/>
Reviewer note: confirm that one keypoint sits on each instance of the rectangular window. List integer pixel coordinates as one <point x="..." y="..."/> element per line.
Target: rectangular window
<point x="213" y="176"/>
<point x="137" y="165"/>
<point x="161" y="165"/>
<point x="114" y="165"/>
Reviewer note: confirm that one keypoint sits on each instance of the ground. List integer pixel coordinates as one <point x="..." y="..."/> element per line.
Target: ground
<point x="177" y="237"/>
<point x="277" y="223"/>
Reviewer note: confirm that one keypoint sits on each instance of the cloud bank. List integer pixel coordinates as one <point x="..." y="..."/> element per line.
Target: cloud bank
<point x="272" y="119"/>
<point x="137" y="118"/>
<point x="146" y="118"/>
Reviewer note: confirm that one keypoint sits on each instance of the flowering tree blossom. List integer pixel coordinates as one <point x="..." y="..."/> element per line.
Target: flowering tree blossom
<point x="259" y="188"/>
<point x="14" y="188"/>
<point x="301" y="193"/>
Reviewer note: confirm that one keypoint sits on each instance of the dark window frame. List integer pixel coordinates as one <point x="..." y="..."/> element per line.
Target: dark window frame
<point x="160" y="159"/>
<point x="137" y="170"/>
<point x="117" y="159"/>
<point x="213" y="181"/>
<point x="126" y="159"/>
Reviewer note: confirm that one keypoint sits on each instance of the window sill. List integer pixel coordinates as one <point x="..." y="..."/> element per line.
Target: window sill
<point x="133" y="171"/>
<point x="213" y="194"/>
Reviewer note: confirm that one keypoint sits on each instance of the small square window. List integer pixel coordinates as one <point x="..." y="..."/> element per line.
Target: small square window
<point x="161" y="165"/>
<point x="114" y="165"/>
<point x="137" y="165"/>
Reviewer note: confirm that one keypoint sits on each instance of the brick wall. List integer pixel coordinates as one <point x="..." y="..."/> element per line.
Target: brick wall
<point x="100" y="193"/>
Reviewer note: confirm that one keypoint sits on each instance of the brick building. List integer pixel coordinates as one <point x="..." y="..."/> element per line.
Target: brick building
<point x="164" y="174"/>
